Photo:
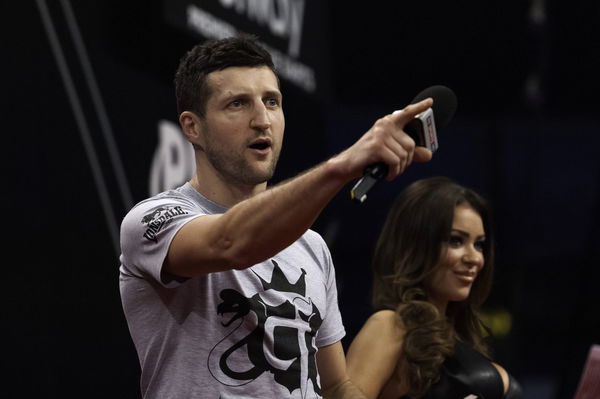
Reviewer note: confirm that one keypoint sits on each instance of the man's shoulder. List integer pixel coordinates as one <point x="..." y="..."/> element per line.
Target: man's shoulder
<point x="172" y="197"/>
<point x="165" y="204"/>
<point x="314" y="242"/>
<point x="174" y="194"/>
<point x="313" y="237"/>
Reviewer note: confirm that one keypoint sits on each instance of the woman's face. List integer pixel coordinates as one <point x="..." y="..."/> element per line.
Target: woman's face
<point x="462" y="259"/>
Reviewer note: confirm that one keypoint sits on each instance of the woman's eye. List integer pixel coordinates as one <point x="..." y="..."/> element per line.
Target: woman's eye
<point x="480" y="245"/>
<point x="455" y="241"/>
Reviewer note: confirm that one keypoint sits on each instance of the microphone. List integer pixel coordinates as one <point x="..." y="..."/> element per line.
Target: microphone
<point x="422" y="129"/>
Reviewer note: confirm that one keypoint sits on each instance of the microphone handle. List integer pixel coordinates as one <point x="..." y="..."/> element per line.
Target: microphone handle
<point x="375" y="172"/>
<point x="372" y="174"/>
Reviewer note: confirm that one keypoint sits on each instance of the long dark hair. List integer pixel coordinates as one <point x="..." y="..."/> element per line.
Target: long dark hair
<point x="409" y="248"/>
<point x="191" y="89"/>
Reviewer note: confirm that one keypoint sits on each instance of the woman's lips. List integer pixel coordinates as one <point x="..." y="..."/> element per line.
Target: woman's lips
<point x="466" y="277"/>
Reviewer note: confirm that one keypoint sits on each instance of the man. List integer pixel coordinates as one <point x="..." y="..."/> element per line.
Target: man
<point x="226" y="291"/>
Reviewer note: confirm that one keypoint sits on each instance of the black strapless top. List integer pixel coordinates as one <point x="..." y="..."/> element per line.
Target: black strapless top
<point x="468" y="372"/>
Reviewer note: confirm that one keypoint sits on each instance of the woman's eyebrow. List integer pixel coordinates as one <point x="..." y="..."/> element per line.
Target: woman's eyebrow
<point x="465" y="234"/>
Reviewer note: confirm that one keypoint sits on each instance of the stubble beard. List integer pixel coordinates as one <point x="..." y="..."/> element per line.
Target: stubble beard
<point x="236" y="169"/>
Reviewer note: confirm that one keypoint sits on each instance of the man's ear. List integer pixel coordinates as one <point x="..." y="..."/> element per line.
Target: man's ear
<point x="192" y="128"/>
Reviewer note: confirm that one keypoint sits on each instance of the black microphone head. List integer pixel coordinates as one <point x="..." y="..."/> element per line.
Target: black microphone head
<point x="444" y="103"/>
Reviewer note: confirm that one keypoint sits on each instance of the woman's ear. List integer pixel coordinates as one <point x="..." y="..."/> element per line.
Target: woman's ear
<point x="192" y="128"/>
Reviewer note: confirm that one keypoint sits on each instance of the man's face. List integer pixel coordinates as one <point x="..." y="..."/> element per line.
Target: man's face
<point x="242" y="130"/>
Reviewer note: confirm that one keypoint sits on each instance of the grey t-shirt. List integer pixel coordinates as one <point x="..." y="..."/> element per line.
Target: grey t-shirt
<point x="249" y="333"/>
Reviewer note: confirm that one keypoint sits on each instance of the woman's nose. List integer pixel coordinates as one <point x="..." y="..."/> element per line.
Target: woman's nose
<point x="473" y="256"/>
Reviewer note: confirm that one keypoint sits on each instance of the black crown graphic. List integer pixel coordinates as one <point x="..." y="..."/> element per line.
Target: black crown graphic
<point x="280" y="283"/>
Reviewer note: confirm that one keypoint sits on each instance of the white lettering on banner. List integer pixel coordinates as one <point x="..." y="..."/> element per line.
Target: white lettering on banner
<point x="288" y="68"/>
<point x="173" y="163"/>
<point x="299" y="74"/>
<point x="208" y="25"/>
<point x="284" y="18"/>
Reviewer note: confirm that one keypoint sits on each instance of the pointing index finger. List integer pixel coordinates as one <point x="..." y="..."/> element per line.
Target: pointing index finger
<point x="403" y="116"/>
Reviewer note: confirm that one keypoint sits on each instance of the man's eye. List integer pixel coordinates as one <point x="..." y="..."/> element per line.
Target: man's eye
<point x="235" y="103"/>
<point x="272" y="102"/>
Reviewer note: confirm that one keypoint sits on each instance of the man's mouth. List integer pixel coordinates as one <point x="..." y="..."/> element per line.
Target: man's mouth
<point x="261" y="144"/>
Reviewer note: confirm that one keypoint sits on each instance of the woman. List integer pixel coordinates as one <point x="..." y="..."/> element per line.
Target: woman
<point x="432" y="266"/>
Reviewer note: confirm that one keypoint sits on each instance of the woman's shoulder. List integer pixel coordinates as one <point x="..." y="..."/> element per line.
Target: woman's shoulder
<point x="384" y="315"/>
<point x="374" y="353"/>
<point x="386" y="322"/>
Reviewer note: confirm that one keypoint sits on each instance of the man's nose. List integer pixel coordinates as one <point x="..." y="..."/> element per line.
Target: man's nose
<point x="260" y="118"/>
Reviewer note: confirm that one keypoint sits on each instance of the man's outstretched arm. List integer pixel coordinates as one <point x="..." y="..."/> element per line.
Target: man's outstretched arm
<point x="263" y="225"/>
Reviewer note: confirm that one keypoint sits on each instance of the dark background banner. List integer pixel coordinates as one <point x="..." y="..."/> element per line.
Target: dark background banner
<point x="89" y="122"/>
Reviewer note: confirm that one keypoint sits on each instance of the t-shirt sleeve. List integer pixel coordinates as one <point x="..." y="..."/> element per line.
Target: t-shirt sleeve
<point x="332" y="329"/>
<point x="146" y="234"/>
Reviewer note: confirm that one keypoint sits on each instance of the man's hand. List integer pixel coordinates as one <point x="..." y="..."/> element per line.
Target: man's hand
<point x="387" y="142"/>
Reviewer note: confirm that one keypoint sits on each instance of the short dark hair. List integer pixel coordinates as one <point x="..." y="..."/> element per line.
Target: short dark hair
<point x="191" y="89"/>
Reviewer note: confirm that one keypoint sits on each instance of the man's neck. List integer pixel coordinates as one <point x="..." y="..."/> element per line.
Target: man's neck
<point x="226" y="195"/>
